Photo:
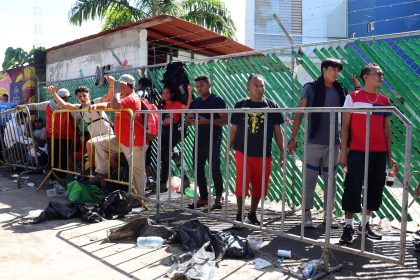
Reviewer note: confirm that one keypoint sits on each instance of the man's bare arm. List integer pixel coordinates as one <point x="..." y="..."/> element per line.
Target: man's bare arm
<point x="303" y="102"/>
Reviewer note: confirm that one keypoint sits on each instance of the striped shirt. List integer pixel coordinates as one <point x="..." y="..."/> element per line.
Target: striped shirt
<point x="363" y="99"/>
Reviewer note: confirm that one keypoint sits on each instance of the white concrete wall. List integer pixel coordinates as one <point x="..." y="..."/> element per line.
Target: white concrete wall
<point x="323" y="20"/>
<point x="81" y="60"/>
<point x="250" y="23"/>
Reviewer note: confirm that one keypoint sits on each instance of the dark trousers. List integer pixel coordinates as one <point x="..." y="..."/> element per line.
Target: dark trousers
<point x="166" y="162"/>
<point x="353" y="183"/>
<point x="202" y="157"/>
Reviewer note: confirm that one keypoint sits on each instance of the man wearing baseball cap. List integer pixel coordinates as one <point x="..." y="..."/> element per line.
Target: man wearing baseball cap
<point x="124" y="98"/>
<point x="63" y="129"/>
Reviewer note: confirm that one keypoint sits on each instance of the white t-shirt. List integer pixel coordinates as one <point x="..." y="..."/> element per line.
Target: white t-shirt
<point x="97" y="123"/>
<point x="14" y="133"/>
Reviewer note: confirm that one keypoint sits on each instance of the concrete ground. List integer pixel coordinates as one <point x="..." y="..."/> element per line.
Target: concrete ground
<point x="72" y="249"/>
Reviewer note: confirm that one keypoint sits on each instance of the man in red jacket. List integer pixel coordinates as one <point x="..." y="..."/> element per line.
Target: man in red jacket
<point x="63" y="130"/>
<point x="125" y="98"/>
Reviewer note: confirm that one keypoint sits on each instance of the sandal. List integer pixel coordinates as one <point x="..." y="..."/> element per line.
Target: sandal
<point x="218" y="203"/>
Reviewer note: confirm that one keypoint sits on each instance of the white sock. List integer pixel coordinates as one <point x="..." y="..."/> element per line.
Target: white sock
<point x="349" y="221"/>
<point x="367" y="218"/>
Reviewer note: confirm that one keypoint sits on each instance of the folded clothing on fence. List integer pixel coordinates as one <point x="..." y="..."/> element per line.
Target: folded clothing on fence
<point x="115" y="205"/>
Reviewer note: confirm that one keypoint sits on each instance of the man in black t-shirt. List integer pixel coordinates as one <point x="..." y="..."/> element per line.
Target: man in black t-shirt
<point x="208" y="100"/>
<point x="255" y="147"/>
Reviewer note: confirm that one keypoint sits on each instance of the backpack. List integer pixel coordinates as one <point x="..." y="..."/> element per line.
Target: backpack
<point x="176" y="79"/>
<point x="152" y="126"/>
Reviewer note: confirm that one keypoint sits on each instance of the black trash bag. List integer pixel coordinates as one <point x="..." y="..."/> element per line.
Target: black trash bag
<point x="237" y="248"/>
<point x="194" y="235"/>
<point x="140" y="227"/>
<point x="200" y="265"/>
<point x="115" y="205"/>
<point x="91" y="212"/>
<point x="57" y="210"/>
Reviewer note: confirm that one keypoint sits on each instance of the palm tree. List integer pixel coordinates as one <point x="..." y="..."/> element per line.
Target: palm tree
<point x="211" y="14"/>
<point x="14" y="58"/>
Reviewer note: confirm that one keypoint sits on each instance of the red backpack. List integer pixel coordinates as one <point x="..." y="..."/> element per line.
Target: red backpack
<point x="152" y="126"/>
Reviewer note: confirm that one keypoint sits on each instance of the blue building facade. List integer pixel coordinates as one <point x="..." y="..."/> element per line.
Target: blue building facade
<point x="378" y="17"/>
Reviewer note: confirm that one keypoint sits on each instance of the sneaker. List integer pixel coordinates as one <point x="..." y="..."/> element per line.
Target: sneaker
<point x="369" y="232"/>
<point x="308" y="220"/>
<point x="252" y="217"/>
<point x="347" y="236"/>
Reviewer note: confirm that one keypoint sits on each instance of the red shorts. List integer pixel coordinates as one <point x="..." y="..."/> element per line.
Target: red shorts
<point x="254" y="166"/>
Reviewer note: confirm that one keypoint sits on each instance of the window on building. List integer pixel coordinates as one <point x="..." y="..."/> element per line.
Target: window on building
<point x="371" y="26"/>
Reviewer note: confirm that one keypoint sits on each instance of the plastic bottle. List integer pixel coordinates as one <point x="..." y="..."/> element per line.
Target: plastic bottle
<point x="391" y="176"/>
<point x="59" y="189"/>
<point x="385" y="224"/>
<point x="308" y="271"/>
<point x="149" y="241"/>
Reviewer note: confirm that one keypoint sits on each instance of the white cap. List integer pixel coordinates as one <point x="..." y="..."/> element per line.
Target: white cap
<point x="63" y="92"/>
<point x="127" y="79"/>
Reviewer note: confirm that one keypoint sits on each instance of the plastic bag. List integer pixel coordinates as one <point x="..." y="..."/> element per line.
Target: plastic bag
<point x="194" y="235"/>
<point x="81" y="193"/>
<point x="57" y="210"/>
<point x="236" y="247"/>
<point x="199" y="265"/>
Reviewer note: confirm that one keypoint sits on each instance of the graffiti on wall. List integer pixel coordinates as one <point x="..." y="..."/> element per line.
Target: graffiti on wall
<point x="19" y="84"/>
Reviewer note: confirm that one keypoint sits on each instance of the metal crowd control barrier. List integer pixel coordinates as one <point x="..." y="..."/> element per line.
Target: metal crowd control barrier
<point x="70" y="166"/>
<point x="328" y="244"/>
<point x="19" y="150"/>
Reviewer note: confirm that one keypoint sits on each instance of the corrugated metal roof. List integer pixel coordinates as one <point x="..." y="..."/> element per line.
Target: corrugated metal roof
<point x="177" y="33"/>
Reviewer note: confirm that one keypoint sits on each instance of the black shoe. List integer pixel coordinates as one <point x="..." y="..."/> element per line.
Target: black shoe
<point x="369" y="232"/>
<point x="252" y="217"/>
<point x="239" y="216"/>
<point x="347" y="236"/>
<point x="416" y="245"/>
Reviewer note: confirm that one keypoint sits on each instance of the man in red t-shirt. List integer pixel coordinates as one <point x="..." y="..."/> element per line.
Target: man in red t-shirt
<point x="125" y="98"/>
<point x="379" y="151"/>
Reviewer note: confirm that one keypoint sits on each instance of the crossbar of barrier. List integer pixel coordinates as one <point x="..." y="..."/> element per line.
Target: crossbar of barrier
<point x="71" y="148"/>
<point x="19" y="149"/>
<point x="327" y="244"/>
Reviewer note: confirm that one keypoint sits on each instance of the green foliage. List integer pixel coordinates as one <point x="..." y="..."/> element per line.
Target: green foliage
<point x="14" y="58"/>
<point x="211" y="14"/>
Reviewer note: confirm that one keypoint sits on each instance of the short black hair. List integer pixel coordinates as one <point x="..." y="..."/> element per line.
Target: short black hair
<point x="333" y="62"/>
<point x="203" y="78"/>
<point x="81" y="89"/>
<point x="146" y="82"/>
<point x="5" y="95"/>
<point x="39" y="120"/>
<point x="367" y="68"/>
<point x="252" y="76"/>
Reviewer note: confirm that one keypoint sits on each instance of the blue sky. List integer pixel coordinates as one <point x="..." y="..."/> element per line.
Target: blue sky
<point x="18" y="22"/>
